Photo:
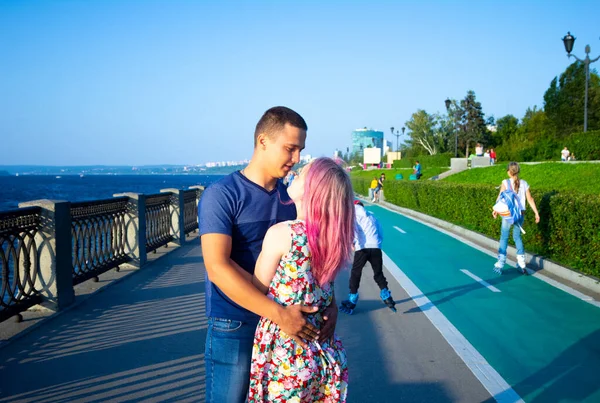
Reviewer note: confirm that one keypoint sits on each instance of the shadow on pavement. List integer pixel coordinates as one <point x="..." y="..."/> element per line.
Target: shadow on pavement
<point x="139" y="340"/>
<point x="571" y="377"/>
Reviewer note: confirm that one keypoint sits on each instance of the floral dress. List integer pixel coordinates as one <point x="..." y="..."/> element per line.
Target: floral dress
<point x="281" y="370"/>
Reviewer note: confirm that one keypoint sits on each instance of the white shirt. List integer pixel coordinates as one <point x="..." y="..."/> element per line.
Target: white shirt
<point x="367" y="232"/>
<point x="522" y="193"/>
<point x="565" y="153"/>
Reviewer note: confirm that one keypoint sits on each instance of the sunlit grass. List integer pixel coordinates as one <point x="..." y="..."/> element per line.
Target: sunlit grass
<point x="390" y="174"/>
<point x="580" y="177"/>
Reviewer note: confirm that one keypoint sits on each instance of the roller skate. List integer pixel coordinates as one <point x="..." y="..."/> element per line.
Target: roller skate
<point x="521" y="264"/>
<point x="386" y="297"/>
<point x="499" y="265"/>
<point x="347" y="306"/>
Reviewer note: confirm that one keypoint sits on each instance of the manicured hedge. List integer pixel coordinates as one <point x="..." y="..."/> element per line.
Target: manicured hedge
<point x="568" y="232"/>
<point x="437" y="160"/>
<point x="585" y="146"/>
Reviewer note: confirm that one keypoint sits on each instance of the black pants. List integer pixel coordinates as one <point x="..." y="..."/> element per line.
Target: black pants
<point x="361" y="257"/>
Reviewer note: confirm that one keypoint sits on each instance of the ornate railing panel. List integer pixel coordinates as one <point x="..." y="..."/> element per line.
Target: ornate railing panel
<point x="190" y="210"/>
<point x="98" y="237"/>
<point x="20" y="260"/>
<point x="158" y="221"/>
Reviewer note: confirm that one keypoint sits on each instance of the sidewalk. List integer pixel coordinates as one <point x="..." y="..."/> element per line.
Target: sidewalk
<point x="142" y="339"/>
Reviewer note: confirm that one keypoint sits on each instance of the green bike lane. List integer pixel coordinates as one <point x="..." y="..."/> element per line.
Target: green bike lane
<point x="544" y="342"/>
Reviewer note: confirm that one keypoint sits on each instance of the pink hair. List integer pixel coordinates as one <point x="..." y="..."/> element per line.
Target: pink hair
<point x="329" y="214"/>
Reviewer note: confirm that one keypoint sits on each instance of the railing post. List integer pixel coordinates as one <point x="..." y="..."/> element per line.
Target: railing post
<point x="136" y="228"/>
<point x="55" y="280"/>
<point x="177" y="212"/>
<point x="199" y="189"/>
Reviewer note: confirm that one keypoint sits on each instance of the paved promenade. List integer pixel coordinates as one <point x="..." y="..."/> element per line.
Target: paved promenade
<point x="142" y="340"/>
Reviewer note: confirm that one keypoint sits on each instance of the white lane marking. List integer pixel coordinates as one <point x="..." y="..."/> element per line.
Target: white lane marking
<point x="511" y="262"/>
<point x="400" y="229"/>
<point x="481" y="281"/>
<point x="500" y="390"/>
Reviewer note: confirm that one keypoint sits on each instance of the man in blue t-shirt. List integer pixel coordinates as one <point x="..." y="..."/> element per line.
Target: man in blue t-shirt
<point x="417" y="169"/>
<point x="234" y="215"/>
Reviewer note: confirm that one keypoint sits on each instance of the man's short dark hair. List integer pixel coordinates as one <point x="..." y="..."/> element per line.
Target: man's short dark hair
<point x="273" y="121"/>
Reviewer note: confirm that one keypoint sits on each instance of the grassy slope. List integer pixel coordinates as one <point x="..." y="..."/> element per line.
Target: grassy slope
<point x="581" y="177"/>
<point x="390" y="174"/>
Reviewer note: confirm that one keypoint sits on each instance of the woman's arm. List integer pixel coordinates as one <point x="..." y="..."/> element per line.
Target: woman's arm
<point x="277" y="243"/>
<point x="532" y="204"/>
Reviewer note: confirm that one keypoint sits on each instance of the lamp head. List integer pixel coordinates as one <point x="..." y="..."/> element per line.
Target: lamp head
<point x="447" y="102"/>
<point x="569" y="41"/>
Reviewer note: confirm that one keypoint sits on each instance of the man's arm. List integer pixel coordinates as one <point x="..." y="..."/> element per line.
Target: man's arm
<point x="216" y="250"/>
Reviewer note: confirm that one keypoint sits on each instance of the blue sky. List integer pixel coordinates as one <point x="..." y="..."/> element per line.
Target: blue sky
<point x="184" y="82"/>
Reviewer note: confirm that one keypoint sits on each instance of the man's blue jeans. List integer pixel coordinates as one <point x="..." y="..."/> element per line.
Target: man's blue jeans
<point x="505" y="232"/>
<point x="227" y="354"/>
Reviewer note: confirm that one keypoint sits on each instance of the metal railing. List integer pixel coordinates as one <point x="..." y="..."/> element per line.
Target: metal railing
<point x="19" y="259"/>
<point x="50" y="246"/>
<point x="98" y="237"/>
<point x="190" y="210"/>
<point x="158" y="221"/>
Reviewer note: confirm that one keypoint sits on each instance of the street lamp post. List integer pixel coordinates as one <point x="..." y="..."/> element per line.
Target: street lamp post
<point x="397" y="134"/>
<point x="569" y="41"/>
<point x="448" y="102"/>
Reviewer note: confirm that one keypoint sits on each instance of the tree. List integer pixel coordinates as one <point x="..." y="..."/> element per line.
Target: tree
<point x="426" y="133"/>
<point x="473" y="121"/>
<point x="565" y="99"/>
<point x="506" y="127"/>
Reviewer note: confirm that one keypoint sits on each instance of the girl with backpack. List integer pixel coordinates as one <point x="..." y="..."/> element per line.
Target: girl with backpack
<point x="521" y="193"/>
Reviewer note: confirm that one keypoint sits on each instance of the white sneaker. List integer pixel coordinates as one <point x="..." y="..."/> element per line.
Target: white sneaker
<point x="521" y="263"/>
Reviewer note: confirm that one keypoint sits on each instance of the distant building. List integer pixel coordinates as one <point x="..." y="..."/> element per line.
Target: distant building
<point x="388" y="146"/>
<point x="366" y="138"/>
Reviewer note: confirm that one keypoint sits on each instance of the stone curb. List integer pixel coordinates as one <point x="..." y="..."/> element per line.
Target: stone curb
<point x="537" y="262"/>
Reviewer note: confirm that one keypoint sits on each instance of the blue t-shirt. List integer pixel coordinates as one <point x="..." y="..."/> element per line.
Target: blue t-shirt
<point x="240" y="208"/>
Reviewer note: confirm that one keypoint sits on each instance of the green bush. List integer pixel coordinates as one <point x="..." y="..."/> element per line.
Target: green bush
<point x="437" y="160"/>
<point x="585" y="146"/>
<point x="568" y="232"/>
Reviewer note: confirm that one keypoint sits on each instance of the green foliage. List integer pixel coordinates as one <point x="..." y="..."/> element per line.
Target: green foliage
<point x="506" y="127"/>
<point x="437" y="160"/>
<point x="468" y="121"/>
<point x="426" y="133"/>
<point x="567" y="233"/>
<point x="551" y="176"/>
<point x="565" y="99"/>
<point x="585" y="146"/>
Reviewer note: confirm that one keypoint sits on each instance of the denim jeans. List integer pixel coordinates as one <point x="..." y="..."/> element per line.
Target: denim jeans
<point x="505" y="231"/>
<point x="227" y="354"/>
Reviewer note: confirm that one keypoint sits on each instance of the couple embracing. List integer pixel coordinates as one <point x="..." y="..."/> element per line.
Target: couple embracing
<point x="271" y="255"/>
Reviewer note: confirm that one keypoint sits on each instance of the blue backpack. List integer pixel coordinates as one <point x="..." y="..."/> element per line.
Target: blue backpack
<point x="512" y="201"/>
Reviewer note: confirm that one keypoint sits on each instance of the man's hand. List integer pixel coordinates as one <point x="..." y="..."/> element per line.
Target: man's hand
<point x="494" y="214"/>
<point x="330" y="315"/>
<point x="293" y="323"/>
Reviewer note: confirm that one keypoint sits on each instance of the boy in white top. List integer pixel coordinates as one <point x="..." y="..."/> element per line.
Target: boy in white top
<point x="368" y="237"/>
<point x="564" y="154"/>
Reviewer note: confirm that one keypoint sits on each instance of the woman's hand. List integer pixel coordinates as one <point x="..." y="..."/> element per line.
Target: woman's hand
<point x="537" y="217"/>
<point x="494" y="214"/>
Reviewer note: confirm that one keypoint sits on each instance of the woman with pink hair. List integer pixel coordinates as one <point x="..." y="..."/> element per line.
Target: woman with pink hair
<point x="297" y="265"/>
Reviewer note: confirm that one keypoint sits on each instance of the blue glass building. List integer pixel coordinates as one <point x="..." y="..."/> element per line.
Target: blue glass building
<point x="366" y="138"/>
